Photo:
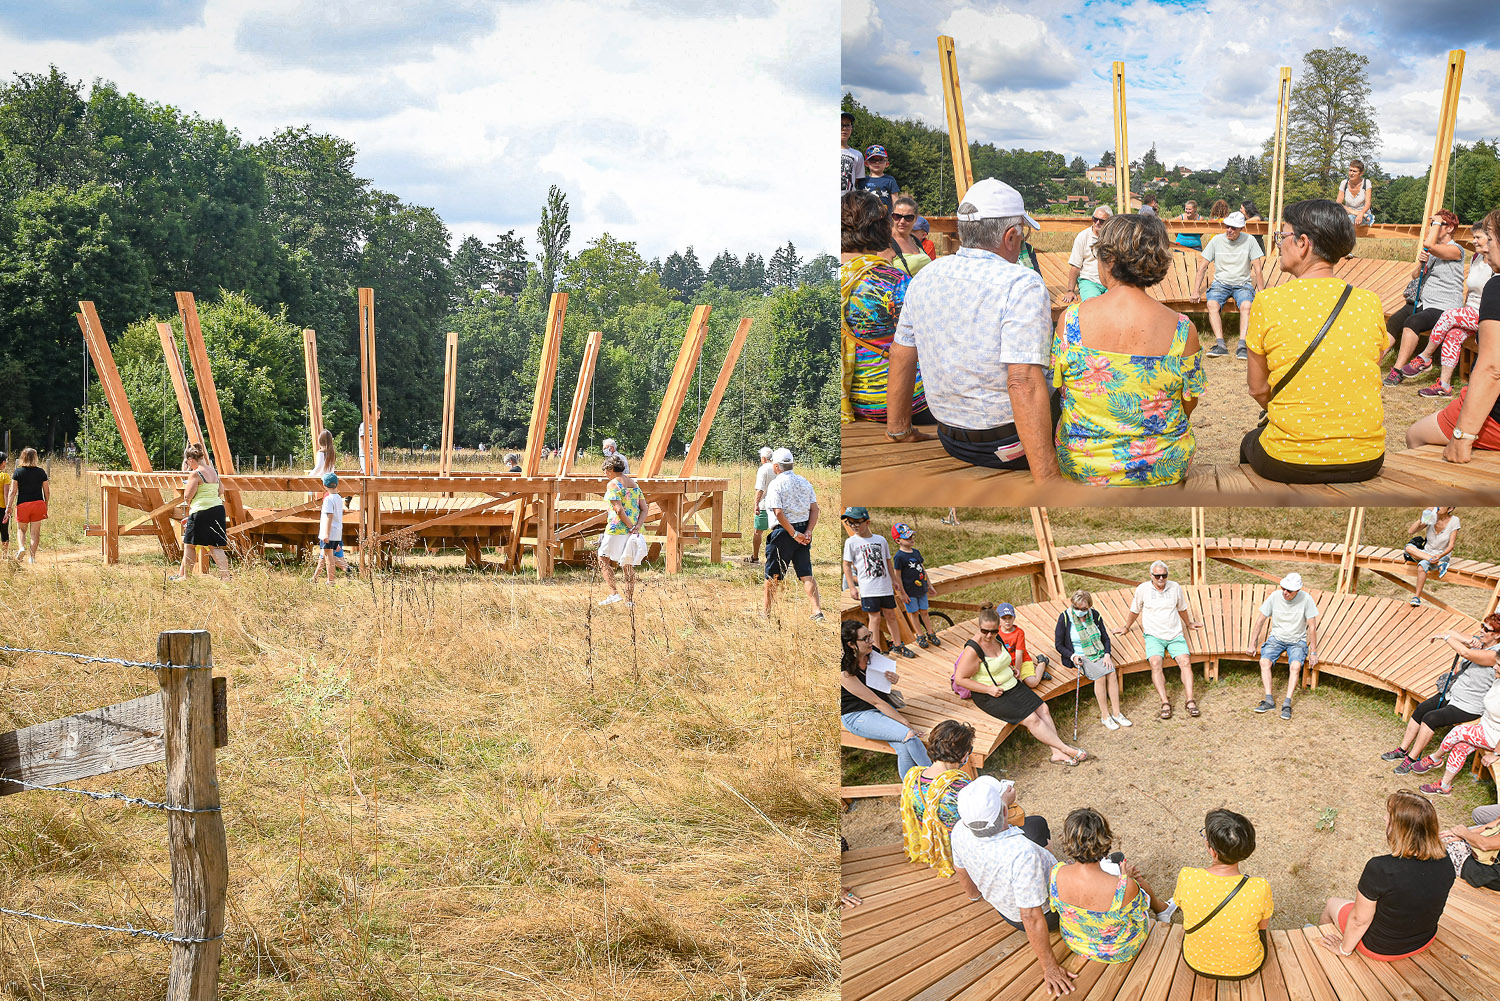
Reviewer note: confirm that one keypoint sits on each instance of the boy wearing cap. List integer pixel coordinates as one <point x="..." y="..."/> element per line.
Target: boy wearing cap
<point x="1237" y="272"/>
<point x="883" y="187"/>
<point x="1013" y="638"/>
<point x="851" y="160"/>
<point x="763" y="477"/>
<point x="908" y="563"/>
<point x="1292" y="614"/>
<point x="872" y="578"/>
<point x="330" y="527"/>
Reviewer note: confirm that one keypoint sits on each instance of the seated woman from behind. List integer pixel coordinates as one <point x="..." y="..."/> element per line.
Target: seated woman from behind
<point x="1401" y="895"/>
<point x="1130" y="369"/>
<point x="1230" y="945"/>
<point x="1103" y="914"/>
<point x="929" y="797"/>
<point x="1326" y="424"/>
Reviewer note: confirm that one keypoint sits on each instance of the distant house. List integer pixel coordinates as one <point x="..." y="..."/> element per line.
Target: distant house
<point x="1184" y="171"/>
<point x="1158" y="181"/>
<point x="1076" y="198"/>
<point x="1100" y="175"/>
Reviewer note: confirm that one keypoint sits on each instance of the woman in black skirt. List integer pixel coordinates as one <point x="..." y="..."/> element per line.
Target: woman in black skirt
<point x="205" y="524"/>
<point x="985" y="669"/>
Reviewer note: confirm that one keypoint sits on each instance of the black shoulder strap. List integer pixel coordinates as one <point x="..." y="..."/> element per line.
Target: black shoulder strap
<point x="978" y="650"/>
<point x="1216" y="910"/>
<point x="1307" y="353"/>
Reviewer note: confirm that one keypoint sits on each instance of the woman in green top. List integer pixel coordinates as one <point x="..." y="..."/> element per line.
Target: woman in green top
<point x="205" y="523"/>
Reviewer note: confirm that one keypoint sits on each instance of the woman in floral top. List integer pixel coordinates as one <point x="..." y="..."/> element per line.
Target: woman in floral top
<point x="1103" y="913"/>
<point x="872" y="291"/>
<point x="1130" y="370"/>
<point x="625" y="500"/>
<point x="929" y="796"/>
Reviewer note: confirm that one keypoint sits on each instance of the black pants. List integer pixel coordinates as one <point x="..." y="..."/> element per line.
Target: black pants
<point x="1255" y="456"/>
<point x="983" y="453"/>
<point x="1420" y="321"/>
<point x="5" y="528"/>
<point x="1435" y="715"/>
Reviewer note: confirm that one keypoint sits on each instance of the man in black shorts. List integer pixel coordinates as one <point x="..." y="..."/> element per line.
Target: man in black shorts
<point x="793" y="507"/>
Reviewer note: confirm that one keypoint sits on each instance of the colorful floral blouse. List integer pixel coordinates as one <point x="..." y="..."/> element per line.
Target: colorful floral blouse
<point x="929" y="809"/>
<point x="1112" y="936"/>
<point x="873" y="291"/>
<point x="1123" y="422"/>
<point x="631" y="498"/>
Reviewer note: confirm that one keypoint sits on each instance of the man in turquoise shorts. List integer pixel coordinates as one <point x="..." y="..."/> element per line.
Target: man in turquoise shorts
<point x="1162" y="608"/>
<point x="763" y="477"/>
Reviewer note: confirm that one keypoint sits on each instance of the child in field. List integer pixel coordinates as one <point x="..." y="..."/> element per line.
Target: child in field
<point x="873" y="580"/>
<point x="1013" y="638"/>
<point x="908" y="563"/>
<point x="330" y="528"/>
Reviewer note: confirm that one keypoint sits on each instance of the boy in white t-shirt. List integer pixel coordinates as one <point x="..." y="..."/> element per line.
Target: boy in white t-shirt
<point x="331" y="529"/>
<point x="1432" y="545"/>
<point x="872" y="577"/>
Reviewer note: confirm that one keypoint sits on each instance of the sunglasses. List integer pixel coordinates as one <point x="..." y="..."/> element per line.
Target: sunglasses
<point x="904" y="216"/>
<point x="1283" y="237"/>
<point x="989" y="632"/>
<point x="1160" y="576"/>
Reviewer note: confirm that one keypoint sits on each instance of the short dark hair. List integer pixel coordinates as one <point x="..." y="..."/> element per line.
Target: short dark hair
<point x="1086" y="835"/>
<point x="846" y="116"/>
<point x="1135" y="249"/>
<point x="1149" y="198"/>
<point x="1229" y="834"/>
<point x="866" y="229"/>
<point x="950" y="740"/>
<point x="1324" y="223"/>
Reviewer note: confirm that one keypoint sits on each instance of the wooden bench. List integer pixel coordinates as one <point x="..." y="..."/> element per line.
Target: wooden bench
<point x="917" y="937"/>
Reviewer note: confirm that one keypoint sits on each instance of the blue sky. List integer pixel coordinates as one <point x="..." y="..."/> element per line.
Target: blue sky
<point x="1200" y="76"/>
<point x="667" y="122"/>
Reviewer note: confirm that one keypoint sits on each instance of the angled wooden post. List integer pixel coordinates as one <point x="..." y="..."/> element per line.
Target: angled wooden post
<point x="706" y="421"/>
<point x="1049" y="581"/>
<point x="450" y="376"/>
<point x="314" y="386"/>
<point x="1442" y="151"/>
<point x="676" y="394"/>
<point x="179" y="384"/>
<point x="130" y="435"/>
<point x="1278" y="159"/>
<point x="580" y="402"/>
<point x="1122" y="144"/>
<point x="369" y="399"/>
<point x="546" y="377"/>
<point x="199" y="852"/>
<point x="953" y="108"/>
<point x="1348" y="560"/>
<point x="208" y="396"/>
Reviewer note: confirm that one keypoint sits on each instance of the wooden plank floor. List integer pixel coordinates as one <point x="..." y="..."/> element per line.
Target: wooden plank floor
<point x="917" y="937"/>
<point x="881" y="473"/>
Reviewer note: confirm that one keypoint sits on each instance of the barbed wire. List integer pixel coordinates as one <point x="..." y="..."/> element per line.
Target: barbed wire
<point x="133" y="800"/>
<point x="159" y="936"/>
<point x="149" y="665"/>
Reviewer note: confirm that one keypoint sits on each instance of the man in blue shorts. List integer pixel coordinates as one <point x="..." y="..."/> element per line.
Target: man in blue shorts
<point x="1162" y="607"/>
<point x="1237" y="272"/>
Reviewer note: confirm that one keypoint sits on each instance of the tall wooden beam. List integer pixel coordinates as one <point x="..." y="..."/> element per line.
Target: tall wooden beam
<point x="1348" y="577"/>
<point x="580" y="402"/>
<point x="953" y="106"/>
<point x="1278" y="158"/>
<point x="676" y="393"/>
<point x="1122" y="143"/>
<point x="179" y="384"/>
<point x="314" y="386"/>
<point x="450" y="375"/>
<point x="706" y="421"/>
<point x="1199" y="573"/>
<point x="369" y="403"/>
<point x="130" y="434"/>
<point x="1051" y="575"/>
<point x="1442" y="151"/>
<point x="208" y="396"/>
<point x="546" y="377"/>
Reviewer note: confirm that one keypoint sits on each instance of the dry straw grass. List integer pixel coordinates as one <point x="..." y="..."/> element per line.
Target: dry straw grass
<point x="448" y="785"/>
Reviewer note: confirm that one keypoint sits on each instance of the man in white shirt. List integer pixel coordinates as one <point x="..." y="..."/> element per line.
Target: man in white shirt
<point x="611" y="449"/>
<point x="763" y="477"/>
<point x="793" y="504"/>
<point x="1237" y="272"/>
<point x="1009" y="868"/>
<point x="1291" y="613"/>
<point x="1162" y="607"/>
<point x="851" y="160"/>
<point x="1083" y="265"/>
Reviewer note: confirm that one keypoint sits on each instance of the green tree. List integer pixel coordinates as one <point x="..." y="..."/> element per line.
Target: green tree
<point x="725" y="270"/>
<point x="1151" y="166"/>
<point x="1331" y="120"/>
<point x="785" y="268"/>
<point x="553" y="234"/>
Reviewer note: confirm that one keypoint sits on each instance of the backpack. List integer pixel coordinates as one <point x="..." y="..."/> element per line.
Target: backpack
<point x="958" y="689"/>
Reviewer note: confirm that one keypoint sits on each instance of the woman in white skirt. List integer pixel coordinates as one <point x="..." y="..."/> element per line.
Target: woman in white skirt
<point x="626" y="501"/>
<point x="1083" y="642"/>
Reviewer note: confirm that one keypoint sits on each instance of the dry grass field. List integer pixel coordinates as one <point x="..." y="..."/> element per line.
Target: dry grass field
<point x="442" y="784"/>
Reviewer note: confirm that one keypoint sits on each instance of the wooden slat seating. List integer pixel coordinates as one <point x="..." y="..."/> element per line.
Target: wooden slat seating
<point x="1379" y="642"/>
<point x="917" y="937"/>
<point x="893" y="474"/>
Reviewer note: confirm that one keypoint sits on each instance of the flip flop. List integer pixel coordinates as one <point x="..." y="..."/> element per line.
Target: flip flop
<point x="1081" y="757"/>
<point x="1166" y="711"/>
<point x="1192" y="707"/>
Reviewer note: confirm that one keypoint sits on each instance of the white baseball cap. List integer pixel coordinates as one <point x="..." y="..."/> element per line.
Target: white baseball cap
<point x="994" y="199"/>
<point x="1292" y="581"/>
<point x="981" y="803"/>
<point x="1235" y="219"/>
<point x="765" y="452"/>
<point x="782" y="457"/>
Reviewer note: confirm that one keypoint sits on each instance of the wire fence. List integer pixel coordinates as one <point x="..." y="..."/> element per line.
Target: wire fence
<point x="150" y="665"/>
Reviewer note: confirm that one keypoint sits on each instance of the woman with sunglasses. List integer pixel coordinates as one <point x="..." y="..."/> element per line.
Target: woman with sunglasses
<point x="1458" y="702"/>
<point x="870" y="714"/>
<point x="1325" y="424"/>
<point x="910" y="257"/>
<point x="986" y="669"/>
<point x="1440" y="269"/>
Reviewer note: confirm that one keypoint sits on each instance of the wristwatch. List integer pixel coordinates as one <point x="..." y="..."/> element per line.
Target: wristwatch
<point x="1459" y="435"/>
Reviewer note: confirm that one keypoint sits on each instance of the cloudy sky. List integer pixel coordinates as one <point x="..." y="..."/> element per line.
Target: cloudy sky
<point x="667" y="122"/>
<point x="1200" y="76"/>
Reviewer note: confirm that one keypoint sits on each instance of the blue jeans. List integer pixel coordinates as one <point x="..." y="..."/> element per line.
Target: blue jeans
<point x="875" y="725"/>
<point x="1296" y="652"/>
<point x="1220" y="293"/>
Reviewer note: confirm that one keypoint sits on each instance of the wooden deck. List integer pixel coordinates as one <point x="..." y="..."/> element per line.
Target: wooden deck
<point x="917" y="936"/>
<point x="883" y="473"/>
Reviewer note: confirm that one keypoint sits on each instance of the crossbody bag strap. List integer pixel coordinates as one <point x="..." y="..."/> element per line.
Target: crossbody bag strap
<point x="1307" y="352"/>
<point x="1216" y="910"/>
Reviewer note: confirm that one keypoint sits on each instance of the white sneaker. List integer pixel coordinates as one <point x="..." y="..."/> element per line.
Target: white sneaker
<point x="1109" y="723"/>
<point x="611" y="599"/>
<point x="1120" y="719"/>
<point x="1165" y="917"/>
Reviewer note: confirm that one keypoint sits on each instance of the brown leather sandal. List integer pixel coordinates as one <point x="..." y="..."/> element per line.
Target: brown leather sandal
<point x="1192" y="707"/>
<point x="1166" y="711"/>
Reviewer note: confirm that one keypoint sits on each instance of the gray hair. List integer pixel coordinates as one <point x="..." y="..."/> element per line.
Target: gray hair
<point x="1082" y="599"/>
<point x="986" y="234"/>
<point x="1159" y="565"/>
<point x="1107" y="210"/>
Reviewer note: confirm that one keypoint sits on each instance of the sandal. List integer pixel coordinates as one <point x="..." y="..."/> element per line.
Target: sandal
<point x="1080" y="758"/>
<point x="1166" y="711"/>
<point x="1416" y="366"/>
<point x="1192" y="707"/>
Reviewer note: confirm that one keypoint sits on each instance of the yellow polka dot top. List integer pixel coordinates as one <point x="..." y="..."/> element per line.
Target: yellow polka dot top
<point x="1229" y="945"/>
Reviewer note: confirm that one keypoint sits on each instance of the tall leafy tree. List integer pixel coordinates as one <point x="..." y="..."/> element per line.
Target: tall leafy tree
<point x="785" y="268"/>
<point x="1332" y="120"/>
<point x="553" y="235"/>
<point x="753" y="274"/>
<point x="725" y="270"/>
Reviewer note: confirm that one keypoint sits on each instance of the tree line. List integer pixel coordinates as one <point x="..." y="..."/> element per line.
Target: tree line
<point x="107" y="196"/>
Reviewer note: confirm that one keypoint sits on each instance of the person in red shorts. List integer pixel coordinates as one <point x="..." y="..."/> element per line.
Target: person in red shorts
<point x="29" y="492"/>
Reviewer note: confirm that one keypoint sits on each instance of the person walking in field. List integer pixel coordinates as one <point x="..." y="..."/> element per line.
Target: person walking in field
<point x="763" y="477"/>
<point x="29" y="493"/>
<point x="626" y="501"/>
<point x="205" y="525"/>
<point x="793" y="505"/>
<point x="4" y="508"/>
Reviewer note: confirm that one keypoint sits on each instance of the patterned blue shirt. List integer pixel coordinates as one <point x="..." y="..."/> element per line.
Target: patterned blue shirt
<point x="969" y="315"/>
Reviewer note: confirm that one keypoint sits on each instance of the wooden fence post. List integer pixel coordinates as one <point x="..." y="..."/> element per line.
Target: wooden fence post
<point x="199" y="853"/>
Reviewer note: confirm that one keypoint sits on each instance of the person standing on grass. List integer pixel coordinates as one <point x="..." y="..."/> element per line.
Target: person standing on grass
<point x="626" y="501"/>
<point x="206" y="525"/>
<point x="4" y="508"/>
<point x="908" y="563"/>
<point x="330" y="528"/>
<point x="1237" y="273"/>
<point x="872" y="578"/>
<point x="1083" y="264"/>
<point x="1291" y="613"/>
<point x="1162" y="607"/>
<point x="1436" y="532"/>
<point x="29" y="494"/>
<point x="612" y="451"/>
<point x="1082" y="643"/>
<point x="793" y="505"/>
<point x="763" y="477"/>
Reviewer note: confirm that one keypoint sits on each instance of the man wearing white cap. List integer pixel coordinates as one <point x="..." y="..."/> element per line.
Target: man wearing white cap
<point x="981" y="326"/>
<point x="763" y="477"/>
<point x="1009" y="867"/>
<point x="1294" y="630"/>
<point x="1236" y="260"/>
<point x="793" y="505"/>
<point x="611" y="449"/>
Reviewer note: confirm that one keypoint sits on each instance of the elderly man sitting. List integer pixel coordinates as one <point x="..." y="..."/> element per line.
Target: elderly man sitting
<point x="1290" y="612"/>
<point x="1009" y="867"/>
<point x="1237" y="272"/>
<point x="1162" y="607"/>
<point x="981" y="325"/>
